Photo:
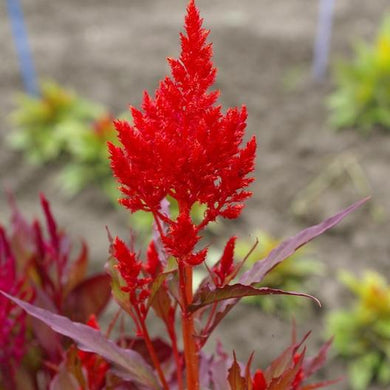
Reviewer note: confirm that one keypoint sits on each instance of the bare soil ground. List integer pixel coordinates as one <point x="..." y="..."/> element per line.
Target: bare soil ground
<point x="110" y="51"/>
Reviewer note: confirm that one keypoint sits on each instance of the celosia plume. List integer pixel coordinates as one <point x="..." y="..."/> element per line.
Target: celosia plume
<point x="225" y="265"/>
<point x="95" y="366"/>
<point x="182" y="145"/>
<point x="12" y="319"/>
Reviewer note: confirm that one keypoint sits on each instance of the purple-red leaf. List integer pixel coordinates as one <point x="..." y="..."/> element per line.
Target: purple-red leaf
<point x="64" y="380"/>
<point x="236" y="380"/>
<point x="163" y="350"/>
<point x="92" y="340"/>
<point x="77" y="270"/>
<point x="208" y="296"/>
<point x="288" y="247"/>
<point x="315" y="363"/>
<point x="89" y="297"/>
<point x="284" y="250"/>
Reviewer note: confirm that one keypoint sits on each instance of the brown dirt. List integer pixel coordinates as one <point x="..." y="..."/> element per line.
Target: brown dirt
<point x="111" y="51"/>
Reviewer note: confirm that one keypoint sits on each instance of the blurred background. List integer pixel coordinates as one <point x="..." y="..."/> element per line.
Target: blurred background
<point x="323" y="142"/>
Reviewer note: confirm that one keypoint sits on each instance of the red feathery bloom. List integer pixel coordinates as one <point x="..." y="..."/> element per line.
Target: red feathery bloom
<point x="153" y="264"/>
<point x="182" y="145"/>
<point x="137" y="275"/>
<point x="259" y="382"/>
<point x="129" y="268"/>
<point x="12" y="318"/>
<point x="94" y="365"/>
<point x="225" y="265"/>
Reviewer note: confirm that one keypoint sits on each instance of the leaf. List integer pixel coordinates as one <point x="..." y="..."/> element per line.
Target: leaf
<point x="288" y="247"/>
<point x="319" y="385"/>
<point x="64" y="380"/>
<point x="248" y="376"/>
<point x="119" y="295"/>
<point x="286" y="378"/>
<point x="161" y="304"/>
<point x="92" y="340"/>
<point x="284" y="360"/>
<point x="314" y="364"/>
<point x="163" y="350"/>
<point x="156" y="285"/>
<point x="284" y="250"/>
<point x="77" y="269"/>
<point x="89" y="297"/>
<point x="236" y="381"/>
<point x="208" y="296"/>
<point x="218" y="367"/>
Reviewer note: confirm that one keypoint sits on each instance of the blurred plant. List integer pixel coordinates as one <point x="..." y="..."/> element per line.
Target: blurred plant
<point x="88" y="163"/>
<point x="291" y="275"/>
<point x="38" y="266"/>
<point x="362" y="331"/>
<point x="48" y="124"/>
<point x="362" y="95"/>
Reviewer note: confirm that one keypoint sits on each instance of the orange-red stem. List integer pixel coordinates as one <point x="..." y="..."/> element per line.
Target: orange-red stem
<point x="190" y="349"/>
<point x="153" y="355"/>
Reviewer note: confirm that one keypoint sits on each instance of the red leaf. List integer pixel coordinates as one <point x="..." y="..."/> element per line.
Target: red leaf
<point x="236" y="380"/>
<point x="77" y="270"/>
<point x="89" y="297"/>
<point x="208" y="296"/>
<point x="315" y="363"/>
<point x="131" y="363"/>
<point x="163" y="350"/>
<point x="288" y="247"/>
<point x="284" y="250"/>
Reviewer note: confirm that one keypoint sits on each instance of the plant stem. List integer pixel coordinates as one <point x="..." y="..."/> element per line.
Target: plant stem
<point x="153" y="355"/>
<point x="188" y="329"/>
<point x="179" y="368"/>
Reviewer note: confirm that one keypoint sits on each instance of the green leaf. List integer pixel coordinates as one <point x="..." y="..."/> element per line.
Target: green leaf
<point x="361" y="371"/>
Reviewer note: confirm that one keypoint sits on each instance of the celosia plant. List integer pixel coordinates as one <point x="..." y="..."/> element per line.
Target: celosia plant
<point x="362" y="332"/>
<point x="182" y="146"/>
<point x="36" y="264"/>
<point x="12" y="318"/>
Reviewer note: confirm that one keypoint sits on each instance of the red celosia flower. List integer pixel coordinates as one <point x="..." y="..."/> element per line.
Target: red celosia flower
<point x="94" y="365"/>
<point x="259" y="382"/>
<point x="130" y="269"/>
<point x="225" y="265"/>
<point x="300" y="376"/>
<point x="153" y="264"/>
<point x="181" y="144"/>
<point x="128" y="265"/>
<point x="12" y="318"/>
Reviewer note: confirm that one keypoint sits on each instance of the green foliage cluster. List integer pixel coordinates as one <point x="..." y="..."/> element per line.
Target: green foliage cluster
<point x="362" y="95"/>
<point x="47" y="125"/>
<point x="59" y="124"/>
<point x="362" y="332"/>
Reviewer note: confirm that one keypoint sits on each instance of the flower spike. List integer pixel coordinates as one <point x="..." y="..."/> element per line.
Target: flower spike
<point x="182" y="145"/>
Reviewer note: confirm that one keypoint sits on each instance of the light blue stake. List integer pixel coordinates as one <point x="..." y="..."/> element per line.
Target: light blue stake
<point x="22" y="47"/>
<point x="322" y="43"/>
